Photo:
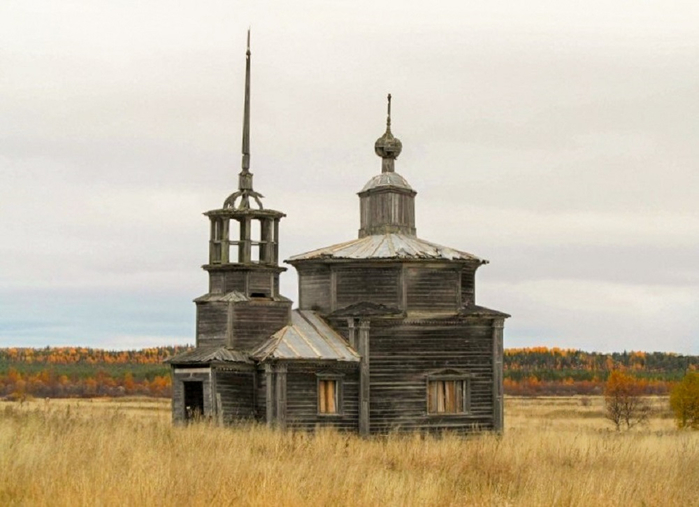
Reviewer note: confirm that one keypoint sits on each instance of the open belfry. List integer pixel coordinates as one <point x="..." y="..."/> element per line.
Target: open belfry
<point x="387" y="334"/>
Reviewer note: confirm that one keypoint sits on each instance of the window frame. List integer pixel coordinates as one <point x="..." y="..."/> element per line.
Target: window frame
<point x="339" y="401"/>
<point x="465" y="378"/>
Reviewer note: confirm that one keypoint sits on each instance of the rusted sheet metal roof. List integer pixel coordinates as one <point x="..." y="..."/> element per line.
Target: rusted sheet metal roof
<point x="388" y="179"/>
<point x="205" y="355"/>
<point x="386" y="246"/>
<point x="307" y="337"/>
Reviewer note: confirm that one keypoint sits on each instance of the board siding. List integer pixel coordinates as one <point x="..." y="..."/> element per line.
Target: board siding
<point x="302" y="400"/>
<point x="314" y="289"/>
<point x="402" y="357"/>
<point x="432" y="290"/>
<point x="360" y="284"/>
<point x="468" y="286"/>
<point x="237" y="395"/>
<point x="234" y="281"/>
<point x="212" y="324"/>
<point x="255" y="321"/>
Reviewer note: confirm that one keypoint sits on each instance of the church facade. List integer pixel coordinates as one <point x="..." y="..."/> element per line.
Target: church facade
<point x="387" y="334"/>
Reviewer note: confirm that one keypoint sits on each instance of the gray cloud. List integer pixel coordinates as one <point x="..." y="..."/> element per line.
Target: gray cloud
<point x="556" y="140"/>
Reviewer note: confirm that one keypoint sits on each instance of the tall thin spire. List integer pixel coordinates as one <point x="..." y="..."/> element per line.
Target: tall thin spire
<point x="245" y="191"/>
<point x="246" y="113"/>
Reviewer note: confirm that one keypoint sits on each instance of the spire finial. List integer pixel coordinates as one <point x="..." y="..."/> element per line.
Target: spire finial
<point x="245" y="190"/>
<point x="388" y="147"/>
<point x="388" y="118"/>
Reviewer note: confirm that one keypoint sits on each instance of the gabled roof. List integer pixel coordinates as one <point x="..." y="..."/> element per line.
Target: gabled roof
<point x="387" y="246"/>
<point x="308" y="337"/>
<point x="206" y="355"/>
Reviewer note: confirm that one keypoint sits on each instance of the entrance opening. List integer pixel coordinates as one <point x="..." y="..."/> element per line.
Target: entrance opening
<point x="193" y="400"/>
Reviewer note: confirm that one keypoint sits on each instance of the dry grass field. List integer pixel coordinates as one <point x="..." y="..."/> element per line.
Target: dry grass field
<point x="555" y="451"/>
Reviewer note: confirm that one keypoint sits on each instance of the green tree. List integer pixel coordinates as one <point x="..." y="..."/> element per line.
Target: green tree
<point x="684" y="401"/>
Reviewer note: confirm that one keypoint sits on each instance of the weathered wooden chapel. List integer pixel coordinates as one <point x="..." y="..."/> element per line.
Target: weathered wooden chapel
<point x="387" y="334"/>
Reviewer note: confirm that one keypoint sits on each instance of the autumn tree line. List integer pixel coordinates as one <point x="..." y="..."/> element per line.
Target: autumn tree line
<point x="67" y="372"/>
<point x="542" y="371"/>
<point x="538" y="371"/>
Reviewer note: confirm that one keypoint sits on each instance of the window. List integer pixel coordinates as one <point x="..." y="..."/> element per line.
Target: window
<point x="329" y="399"/>
<point x="448" y="395"/>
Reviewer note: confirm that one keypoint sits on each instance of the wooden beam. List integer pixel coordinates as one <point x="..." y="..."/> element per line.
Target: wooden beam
<point x="269" y="394"/>
<point x="280" y="371"/>
<point x="498" y="398"/>
<point x="364" y="379"/>
<point x="352" y="333"/>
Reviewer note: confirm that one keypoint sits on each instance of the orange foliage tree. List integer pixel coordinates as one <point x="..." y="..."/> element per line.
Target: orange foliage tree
<point x="624" y="402"/>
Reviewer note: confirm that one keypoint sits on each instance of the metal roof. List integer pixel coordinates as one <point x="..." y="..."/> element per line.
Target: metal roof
<point x="235" y="297"/>
<point x="230" y="296"/>
<point x="205" y="355"/>
<point x="387" y="246"/>
<point x="307" y="337"/>
<point x="387" y="179"/>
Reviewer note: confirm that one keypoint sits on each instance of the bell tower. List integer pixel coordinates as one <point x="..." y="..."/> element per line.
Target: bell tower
<point x="243" y="261"/>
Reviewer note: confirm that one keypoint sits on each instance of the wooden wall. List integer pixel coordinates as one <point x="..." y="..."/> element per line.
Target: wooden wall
<point x="302" y="399"/>
<point x="402" y="356"/>
<point x="387" y="211"/>
<point x="372" y="284"/>
<point x="468" y="285"/>
<point x="314" y="288"/>
<point x="212" y="323"/>
<point x="252" y="322"/>
<point x="432" y="288"/>
<point x="236" y="395"/>
<point x="179" y="376"/>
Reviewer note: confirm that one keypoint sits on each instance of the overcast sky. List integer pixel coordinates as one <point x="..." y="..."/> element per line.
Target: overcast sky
<point x="559" y="140"/>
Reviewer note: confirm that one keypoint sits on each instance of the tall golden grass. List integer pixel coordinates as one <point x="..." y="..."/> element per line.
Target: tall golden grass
<point x="554" y="452"/>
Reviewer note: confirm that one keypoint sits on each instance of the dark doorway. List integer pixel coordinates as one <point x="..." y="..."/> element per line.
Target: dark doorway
<point x="193" y="400"/>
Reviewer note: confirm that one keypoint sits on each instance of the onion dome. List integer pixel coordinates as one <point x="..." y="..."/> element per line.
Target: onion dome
<point x="388" y="147"/>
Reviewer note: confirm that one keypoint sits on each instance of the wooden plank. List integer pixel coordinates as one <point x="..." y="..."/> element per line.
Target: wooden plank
<point x="269" y="396"/>
<point x="364" y="378"/>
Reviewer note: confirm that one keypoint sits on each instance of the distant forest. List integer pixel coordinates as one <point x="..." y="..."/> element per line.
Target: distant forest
<point x="60" y="372"/>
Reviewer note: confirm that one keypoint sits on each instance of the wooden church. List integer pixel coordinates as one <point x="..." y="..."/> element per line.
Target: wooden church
<point x="387" y="335"/>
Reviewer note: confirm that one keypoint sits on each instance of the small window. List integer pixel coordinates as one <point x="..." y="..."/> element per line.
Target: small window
<point x="447" y="396"/>
<point x="329" y="396"/>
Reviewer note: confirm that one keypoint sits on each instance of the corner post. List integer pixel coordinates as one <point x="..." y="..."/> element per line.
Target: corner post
<point x="269" y="394"/>
<point x="364" y="391"/>
<point x="281" y="395"/>
<point x="352" y="333"/>
<point x="498" y="395"/>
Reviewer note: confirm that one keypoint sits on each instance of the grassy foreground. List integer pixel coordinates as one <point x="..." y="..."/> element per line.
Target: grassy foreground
<point x="554" y="452"/>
